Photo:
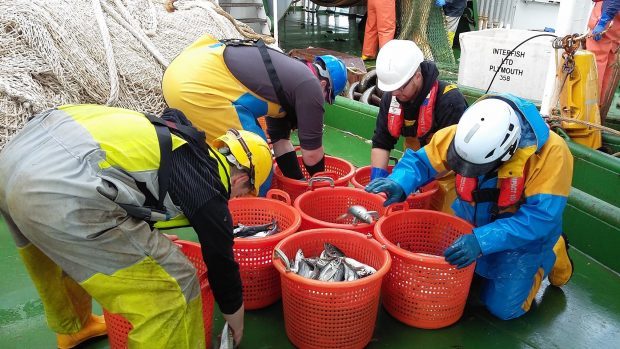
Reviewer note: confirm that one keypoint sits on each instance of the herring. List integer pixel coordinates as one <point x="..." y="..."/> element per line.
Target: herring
<point x="227" y="340"/>
<point x="360" y="213"/>
<point x="245" y="231"/>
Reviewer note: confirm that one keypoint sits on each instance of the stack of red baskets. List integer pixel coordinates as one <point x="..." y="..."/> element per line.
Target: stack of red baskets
<point x="422" y="289"/>
<point x="261" y="282"/>
<point x="119" y="327"/>
<point x="326" y="315"/>
<point x="421" y="200"/>
<point x="338" y="172"/>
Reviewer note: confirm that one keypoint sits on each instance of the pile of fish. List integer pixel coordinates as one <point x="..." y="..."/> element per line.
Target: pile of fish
<point x="332" y="265"/>
<point x="255" y="231"/>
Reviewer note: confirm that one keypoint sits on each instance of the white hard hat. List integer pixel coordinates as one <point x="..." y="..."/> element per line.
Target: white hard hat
<point x="397" y="61"/>
<point x="486" y="136"/>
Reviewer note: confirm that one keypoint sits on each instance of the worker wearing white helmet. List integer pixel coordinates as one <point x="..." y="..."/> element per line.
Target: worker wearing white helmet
<point x="415" y="105"/>
<point x="513" y="180"/>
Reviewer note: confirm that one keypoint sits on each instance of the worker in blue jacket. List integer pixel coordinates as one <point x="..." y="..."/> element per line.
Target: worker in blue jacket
<point x="513" y="180"/>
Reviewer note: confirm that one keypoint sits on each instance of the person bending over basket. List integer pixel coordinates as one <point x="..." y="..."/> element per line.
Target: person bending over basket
<point x="513" y="179"/>
<point x="81" y="187"/>
<point x="231" y="83"/>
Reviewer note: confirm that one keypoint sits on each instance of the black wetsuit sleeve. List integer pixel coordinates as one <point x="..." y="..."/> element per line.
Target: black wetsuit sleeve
<point x="382" y="138"/>
<point x="278" y="128"/>
<point x="195" y="188"/>
<point x="213" y="225"/>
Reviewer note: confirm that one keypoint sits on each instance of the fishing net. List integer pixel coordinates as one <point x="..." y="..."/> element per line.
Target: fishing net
<point x="113" y="52"/>
<point x="424" y="23"/>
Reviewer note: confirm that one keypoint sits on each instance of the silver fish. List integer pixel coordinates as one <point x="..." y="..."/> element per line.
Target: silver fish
<point x="306" y="269"/>
<point x="227" y="340"/>
<point x="361" y="269"/>
<point x="298" y="257"/>
<point x="339" y="275"/>
<point x="349" y="274"/>
<point x="330" y="270"/>
<point x="265" y="233"/>
<point x="360" y="213"/>
<point x="318" y="263"/>
<point x="244" y="231"/>
<point x="332" y="251"/>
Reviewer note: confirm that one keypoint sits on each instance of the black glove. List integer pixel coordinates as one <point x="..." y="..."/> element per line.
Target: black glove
<point x="289" y="165"/>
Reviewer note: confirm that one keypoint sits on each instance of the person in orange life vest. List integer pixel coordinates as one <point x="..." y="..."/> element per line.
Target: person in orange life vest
<point x="605" y="18"/>
<point x="513" y="180"/>
<point x="415" y="105"/>
<point x="380" y="26"/>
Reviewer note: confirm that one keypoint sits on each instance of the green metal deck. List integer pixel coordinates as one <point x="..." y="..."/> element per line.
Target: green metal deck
<point x="583" y="314"/>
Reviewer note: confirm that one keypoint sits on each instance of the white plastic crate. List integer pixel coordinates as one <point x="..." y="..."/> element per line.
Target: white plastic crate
<point x="523" y="73"/>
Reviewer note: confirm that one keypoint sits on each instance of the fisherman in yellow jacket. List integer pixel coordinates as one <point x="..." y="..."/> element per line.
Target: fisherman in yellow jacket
<point x="512" y="183"/>
<point x="81" y="187"/>
<point x="231" y="83"/>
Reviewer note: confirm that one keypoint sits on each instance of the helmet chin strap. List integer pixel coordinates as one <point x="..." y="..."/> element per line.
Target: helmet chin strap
<point x="510" y="152"/>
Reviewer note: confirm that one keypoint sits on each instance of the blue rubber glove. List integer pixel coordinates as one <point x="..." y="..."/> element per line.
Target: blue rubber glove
<point x="600" y="26"/>
<point x="378" y="172"/>
<point x="440" y="3"/>
<point x="393" y="190"/>
<point x="463" y="252"/>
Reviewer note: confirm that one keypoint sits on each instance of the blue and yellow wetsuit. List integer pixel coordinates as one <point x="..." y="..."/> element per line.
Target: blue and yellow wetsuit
<point x="517" y="242"/>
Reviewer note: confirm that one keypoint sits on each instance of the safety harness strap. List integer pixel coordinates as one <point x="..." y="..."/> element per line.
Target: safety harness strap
<point x="164" y="139"/>
<point x="275" y="81"/>
<point x="271" y="72"/>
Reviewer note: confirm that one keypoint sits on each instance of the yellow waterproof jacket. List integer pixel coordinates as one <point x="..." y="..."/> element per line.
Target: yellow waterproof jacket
<point x="130" y="154"/>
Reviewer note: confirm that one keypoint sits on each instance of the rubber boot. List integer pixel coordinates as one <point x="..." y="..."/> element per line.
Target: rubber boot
<point x="94" y="327"/>
<point x="563" y="268"/>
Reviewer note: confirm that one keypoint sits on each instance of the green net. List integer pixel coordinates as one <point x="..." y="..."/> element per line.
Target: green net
<point x="424" y="23"/>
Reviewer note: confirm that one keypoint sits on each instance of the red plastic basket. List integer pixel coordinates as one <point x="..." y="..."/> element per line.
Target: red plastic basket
<point x="261" y="282"/>
<point x="331" y="315"/>
<point x="119" y="328"/>
<point x="322" y="207"/>
<point x="339" y="170"/>
<point x="422" y="289"/>
<point x="421" y="200"/>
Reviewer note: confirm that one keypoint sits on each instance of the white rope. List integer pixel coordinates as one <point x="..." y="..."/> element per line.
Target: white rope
<point x="109" y="52"/>
<point x="146" y="42"/>
<point x="55" y="52"/>
<point x="586" y="123"/>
